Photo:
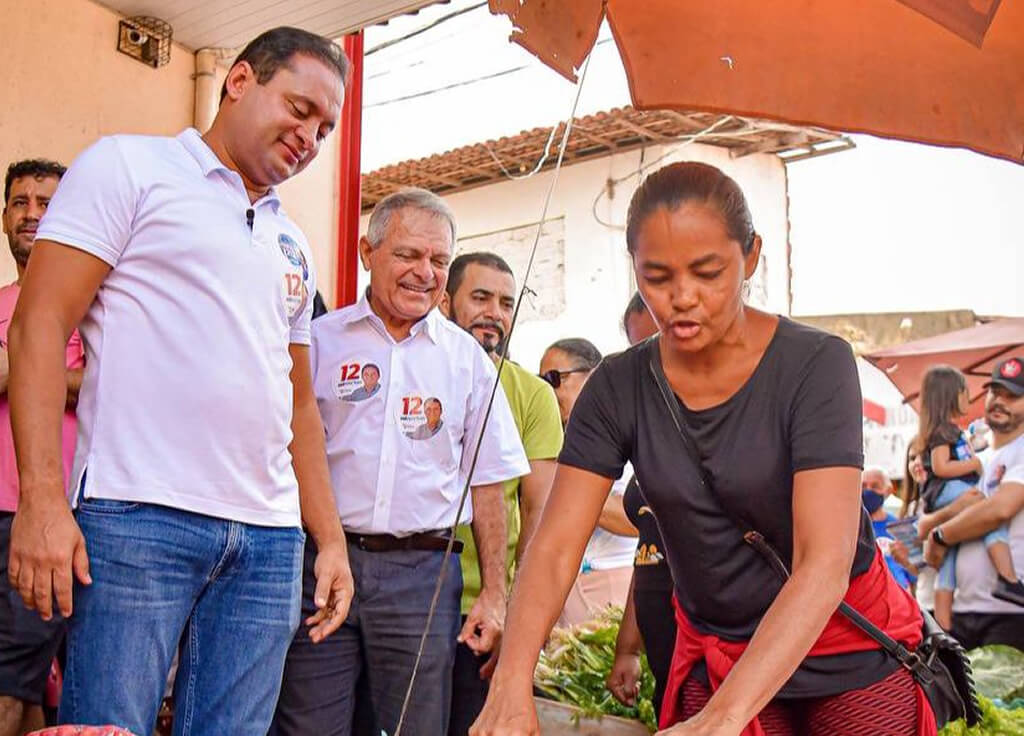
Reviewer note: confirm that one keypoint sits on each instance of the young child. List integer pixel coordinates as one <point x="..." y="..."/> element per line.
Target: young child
<point x="953" y="469"/>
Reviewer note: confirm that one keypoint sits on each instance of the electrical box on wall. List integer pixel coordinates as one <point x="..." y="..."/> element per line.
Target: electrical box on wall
<point x="146" y="39"/>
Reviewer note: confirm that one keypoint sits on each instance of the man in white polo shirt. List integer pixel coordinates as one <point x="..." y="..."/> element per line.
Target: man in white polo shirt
<point x="399" y="461"/>
<point x="198" y="429"/>
<point x="985" y="609"/>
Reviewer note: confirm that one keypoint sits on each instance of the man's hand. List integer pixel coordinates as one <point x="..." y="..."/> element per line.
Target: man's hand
<point x="334" y="591"/>
<point x="46" y="546"/>
<point x="934" y="553"/>
<point x="624" y="680"/>
<point x="485" y="622"/>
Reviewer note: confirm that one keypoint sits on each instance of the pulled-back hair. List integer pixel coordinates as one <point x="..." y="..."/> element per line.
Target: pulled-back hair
<point x="690" y="181"/>
<point x="37" y="168"/>
<point x="940" y="404"/>
<point x="271" y="50"/>
<point x="457" y="269"/>
<point x="580" y="349"/>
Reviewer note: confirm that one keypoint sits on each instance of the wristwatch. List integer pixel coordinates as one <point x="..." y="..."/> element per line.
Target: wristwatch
<point x="938" y="538"/>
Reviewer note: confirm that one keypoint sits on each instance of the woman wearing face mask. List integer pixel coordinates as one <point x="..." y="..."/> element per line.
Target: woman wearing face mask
<point x="774" y="410"/>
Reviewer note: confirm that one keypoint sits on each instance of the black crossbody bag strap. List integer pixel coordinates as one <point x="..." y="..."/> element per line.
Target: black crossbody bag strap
<point x="904" y="656"/>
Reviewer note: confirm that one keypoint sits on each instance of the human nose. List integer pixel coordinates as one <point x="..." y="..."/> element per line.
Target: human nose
<point x="685" y="295"/>
<point x="35" y="210"/>
<point x="306" y="133"/>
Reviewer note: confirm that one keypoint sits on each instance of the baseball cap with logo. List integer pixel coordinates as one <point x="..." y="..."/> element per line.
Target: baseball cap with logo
<point x="1010" y="375"/>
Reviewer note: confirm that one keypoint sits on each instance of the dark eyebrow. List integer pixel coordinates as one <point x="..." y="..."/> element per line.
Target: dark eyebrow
<point x="706" y="260"/>
<point x="483" y="292"/>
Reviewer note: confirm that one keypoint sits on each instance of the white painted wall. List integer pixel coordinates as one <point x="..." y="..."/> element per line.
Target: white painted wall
<point x="598" y="274"/>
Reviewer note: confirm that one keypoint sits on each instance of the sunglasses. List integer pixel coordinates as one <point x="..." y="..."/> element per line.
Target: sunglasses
<point x="555" y="378"/>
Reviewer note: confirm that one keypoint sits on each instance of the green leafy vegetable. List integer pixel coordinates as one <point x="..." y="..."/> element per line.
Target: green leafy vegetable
<point x="998" y="672"/>
<point x="574" y="666"/>
<point x="995" y="721"/>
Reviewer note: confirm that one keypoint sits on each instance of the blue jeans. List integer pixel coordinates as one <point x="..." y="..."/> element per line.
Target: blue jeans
<point x="946" y="579"/>
<point x="223" y="593"/>
<point x="378" y="640"/>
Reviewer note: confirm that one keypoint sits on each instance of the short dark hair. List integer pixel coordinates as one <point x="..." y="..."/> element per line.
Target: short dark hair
<point x="457" y="269"/>
<point x="579" y="348"/>
<point x="39" y="168"/>
<point x="690" y="181"/>
<point x="273" y="49"/>
<point x="368" y="366"/>
<point x="636" y="306"/>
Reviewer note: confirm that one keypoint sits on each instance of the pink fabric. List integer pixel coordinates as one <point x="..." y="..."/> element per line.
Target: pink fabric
<point x="82" y="731"/>
<point x="75" y="358"/>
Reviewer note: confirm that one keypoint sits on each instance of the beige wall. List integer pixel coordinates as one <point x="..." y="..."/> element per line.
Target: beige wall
<point x="65" y="85"/>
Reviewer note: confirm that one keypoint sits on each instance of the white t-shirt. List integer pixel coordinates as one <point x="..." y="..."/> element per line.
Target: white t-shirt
<point x="186" y="399"/>
<point x="975" y="574"/>
<point x="606" y="551"/>
<point x="403" y="418"/>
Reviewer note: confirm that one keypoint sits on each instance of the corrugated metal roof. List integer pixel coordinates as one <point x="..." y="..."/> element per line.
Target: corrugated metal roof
<point x="232" y="23"/>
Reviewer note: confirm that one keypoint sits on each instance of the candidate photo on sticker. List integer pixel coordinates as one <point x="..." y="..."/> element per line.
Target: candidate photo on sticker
<point x="432" y="412"/>
<point x="370" y="376"/>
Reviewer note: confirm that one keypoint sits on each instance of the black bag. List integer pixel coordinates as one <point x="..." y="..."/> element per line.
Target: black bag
<point x="940" y="665"/>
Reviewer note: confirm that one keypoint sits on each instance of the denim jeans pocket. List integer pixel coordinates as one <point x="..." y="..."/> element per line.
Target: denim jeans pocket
<point x="107" y="506"/>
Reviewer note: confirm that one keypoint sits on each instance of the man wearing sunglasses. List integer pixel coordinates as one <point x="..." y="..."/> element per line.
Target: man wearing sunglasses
<point x="480" y="299"/>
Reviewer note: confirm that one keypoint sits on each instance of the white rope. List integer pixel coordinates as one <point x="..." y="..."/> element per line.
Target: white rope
<point x="494" y="390"/>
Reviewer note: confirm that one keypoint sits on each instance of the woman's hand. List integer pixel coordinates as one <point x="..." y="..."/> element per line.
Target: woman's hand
<point x="624" y="680"/>
<point x="507" y="714"/>
<point x="703" y="724"/>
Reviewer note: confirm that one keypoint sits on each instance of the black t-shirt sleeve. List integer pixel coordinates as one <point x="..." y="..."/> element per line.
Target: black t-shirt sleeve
<point x="594" y="437"/>
<point x="826" y="425"/>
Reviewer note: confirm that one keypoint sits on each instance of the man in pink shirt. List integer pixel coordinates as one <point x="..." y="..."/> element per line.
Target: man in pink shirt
<point x="27" y="643"/>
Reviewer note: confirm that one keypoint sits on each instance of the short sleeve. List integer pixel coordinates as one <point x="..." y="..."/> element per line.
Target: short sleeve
<point x="300" y="332"/>
<point x="1014" y="472"/>
<point x="542" y="433"/>
<point x="501" y="455"/>
<point x="594" y="438"/>
<point x="825" y="421"/>
<point x="95" y="203"/>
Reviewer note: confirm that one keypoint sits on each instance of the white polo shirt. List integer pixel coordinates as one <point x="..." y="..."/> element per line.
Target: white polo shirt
<point x="186" y="399"/>
<point x="975" y="574"/>
<point x="399" y="447"/>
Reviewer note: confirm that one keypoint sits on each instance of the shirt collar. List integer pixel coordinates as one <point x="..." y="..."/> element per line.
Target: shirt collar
<point x="429" y="325"/>
<point x="208" y="162"/>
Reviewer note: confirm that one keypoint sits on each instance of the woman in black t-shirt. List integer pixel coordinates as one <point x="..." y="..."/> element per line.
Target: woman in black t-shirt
<point x="775" y="411"/>
<point x="648" y="622"/>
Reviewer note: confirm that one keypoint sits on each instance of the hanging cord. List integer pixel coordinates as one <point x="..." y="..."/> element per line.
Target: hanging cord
<point x="639" y="171"/>
<point x="494" y="391"/>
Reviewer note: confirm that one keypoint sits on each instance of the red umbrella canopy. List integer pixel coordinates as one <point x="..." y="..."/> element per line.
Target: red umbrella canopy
<point x="948" y="72"/>
<point x="975" y="351"/>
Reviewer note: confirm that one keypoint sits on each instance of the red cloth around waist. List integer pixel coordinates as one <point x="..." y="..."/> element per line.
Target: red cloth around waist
<point x="875" y="594"/>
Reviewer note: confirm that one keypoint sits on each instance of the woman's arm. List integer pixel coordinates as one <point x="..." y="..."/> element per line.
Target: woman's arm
<point x="550" y="565"/>
<point x="613" y="517"/>
<point x="826" y="523"/>
<point x="624" y="680"/>
<point x="944" y="467"/>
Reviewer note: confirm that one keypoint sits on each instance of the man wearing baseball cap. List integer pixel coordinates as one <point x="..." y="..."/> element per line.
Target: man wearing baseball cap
<point x="988" y="609"/>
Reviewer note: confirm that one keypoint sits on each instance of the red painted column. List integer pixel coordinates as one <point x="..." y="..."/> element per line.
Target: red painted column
<point x="349" y="183"/>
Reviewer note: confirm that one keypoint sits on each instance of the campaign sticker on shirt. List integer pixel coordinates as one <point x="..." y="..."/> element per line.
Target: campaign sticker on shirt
<point x="421" y="417"/>
<point x="296" y="293"/>
<point x="357" y="380"/>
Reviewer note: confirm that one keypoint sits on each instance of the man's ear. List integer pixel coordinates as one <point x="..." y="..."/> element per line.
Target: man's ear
<point x="239" y="77"/>
<point x="446" y="305"/>
<point x="365" y="248"/>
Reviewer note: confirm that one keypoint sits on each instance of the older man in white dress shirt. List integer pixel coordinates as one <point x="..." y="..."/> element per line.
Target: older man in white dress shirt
<point x="399" y="461"/>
